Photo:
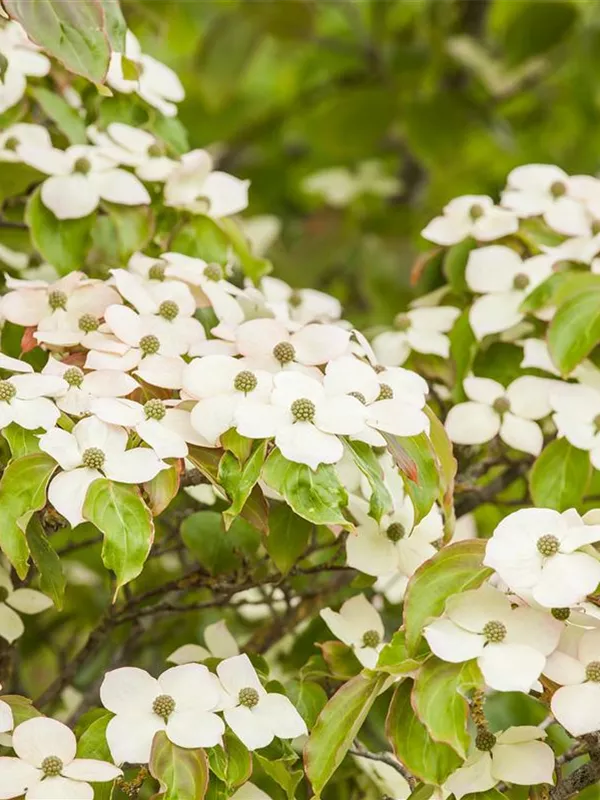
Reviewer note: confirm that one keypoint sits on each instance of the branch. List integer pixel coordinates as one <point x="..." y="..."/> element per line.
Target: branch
<point x="484" y="494"/>
<point x="585" y="775"/>
<point x="384" y="758"/>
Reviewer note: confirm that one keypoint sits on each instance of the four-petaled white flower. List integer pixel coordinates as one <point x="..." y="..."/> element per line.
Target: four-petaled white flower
<point x="577" y="416"/>
<point x="181" y="702"/>
<point x="23" y="601"/>
<point x="93" y="450"/>
<point x="420" y="329"/>
<point x="22" y="133"/>
<point x="298" y="306"/>
<point x="24" y="399"/>
<point x="253" y="714"/>
<point x="471" y="215"/>
<point x="23" y="61"/>
<point x="503" y="280"/>
<point x="493" y="410"/>
<point x="515" y="755"/>
<point x="358" y="625"/>
<point x="194" y="185"/>
<point x="219" y="644"/>
<point x="538" y="551"/>
<point x="339" y="187"/>
<point x="134" y="147"/>
<point x="83" y="387"/>
<point x="45" y="766"/>
<point x="510" y="644"/>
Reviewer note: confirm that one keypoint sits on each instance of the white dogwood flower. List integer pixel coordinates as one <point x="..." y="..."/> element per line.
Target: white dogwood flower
<point x="538" y="550"/>
<point x="24" y="399"/>
<point x="93" y="450"/>
<point x="298" y="306"/>
<point x="156" y="83"/>
<point x="219" y="644"/>
<point x="134" y="147"/>
<point x="23" y="601"/>
<point x="339" y="186"/>
<point x="420" y="329"/>
<point x="45" y="766"/>
<point x="23" y="60"/>
<point x="508" y="412"/>
<point x="575" y="666"/>
<point x="510" y="644"/>
<point x="181" y="702"/>
<point x="253" y="714"/>
<point x="303" y="418"/>
<point x="7" y="721"/>
<point x="223" y="386"/>
<point x="195" y="185"/>
<point x="515" y="755"/>
<point x="503" y="280"/>
<point x="81" y="176"/>
<point x="471" y="215"/>
<point x="358" y="625"/>
<point x="577" y="416"/>
<point x="84" y="387"/>
<point x="22" y="133"/>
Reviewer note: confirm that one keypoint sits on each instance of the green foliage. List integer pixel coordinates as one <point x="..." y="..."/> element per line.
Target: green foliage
<point x="575" y="329"/>
<point x="182" y="774"/>
<point x="560" y="476"/>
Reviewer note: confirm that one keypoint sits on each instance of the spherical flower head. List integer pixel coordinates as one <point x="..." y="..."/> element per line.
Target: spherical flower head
<point x="93" y="458"/>
<point x="494" y="631"/>
<point x="163" y="705"/>
<point x="51" y="766"/>
<point x="385" y="392"/>
<point x="521" y="281"/>
<point x="154" y="409"/>
<point x="284" y="352"/>
<point x="168" y="310"/>
<point x="213" y="272"/>
<point x="561" y="614"/>
<point x="592" y="671"/>
<point x="149" y="344"/>
<point x="371" y="639"/>
<point x="57" y="299"/>
<point x="248" y="697"/>
<point x="395" y="531"/>
<point x="548" y="545"/>
<point x="558" y="189"/>
<point x="476" y="211"/>
<point x="157" y="272"/>
<point x="7" y="391"/>
<point x="402" y="322"/>
<point x="88" y="323"/>
<point x="501" y="405"/>
<point x="596" y="423"/>
<point x="154" y="150"/>
<point x="485" y="740"/>
<point x="74" y="377"/>
<point x="245" y="381"/>
<point x="303" y="410"/>
<point x="359" y="396"/>
<point x="83" y="166"/>
<point x="11" y="143"/>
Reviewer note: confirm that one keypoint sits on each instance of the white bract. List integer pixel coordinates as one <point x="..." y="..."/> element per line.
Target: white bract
<point x="253" y="714"/>
<point x="23" y="601"/>
<point x="471" y="215"/>
<point x="134" y="147"/>
<point x="181" y="702"/>
<point x="24" y="399"/>
<point x="577" y="417"/>
<point x="194" y="185"/>
<point x="503" y="280"/>
<point x="510" y="644"/>
<point x="83" y="388"/>
<point x="45" y="766"/>
<point x="339" y="187"/>
<point x="93" y="450"/>
<point x="22" y="133"/>
<point x="493" y="410"/>
<point x="575" y="665"/>
<point x="298" y="307"/>
<point x="515" y="755"/>
<point x="358" y="625"/>
<point x="6" y="717"/>
<point x="420" y="329"/>
<point x="538" y="550"/>
<point x="219" y="644"/>
<point x="23" y="61"/>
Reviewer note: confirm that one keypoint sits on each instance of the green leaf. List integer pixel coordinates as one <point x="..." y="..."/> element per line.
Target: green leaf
<point x="22" y="708"/>
<point x="216" y="549"/>
<point x="365" y="459"/>
<point x="20" y="440"/>
<point x="395" y="659"/>
<point x="22" y="493"/>
<point x="74" y="33"/>
<point x="239" y="480"/>
<point x="119" y="512"/>
<point x="52" y="579"/>
<point x="456" y="568"/>
<point x="575" y="330"/>
<point x="181" y="773"/>
<point x="202" y="237"/>
<point x="430" y="761"/>
<point x="253" y="266"/>
<point x="92" y="742"/>
<point x="62" y="242"/>
<point x="536" y="26"/>
<point x="60" y="112"/>
<point x="340" y="659"/>
<point x="560" y="286"/>
<point x="337" y="727"/>
<point x="16" y="179"/>
<point x="309" y="698"/>
<point x="114" y="24"/>
<point x="282" y="774"/>
<point x="439" y="702"/>
<point x="455" y="264"/>
<point x="315" y="495"/>
<point x="159" y="492"/>
<point x="463" y="348"/>
<point x="559" y="476"/>
<point x="288" y="537"/>
<point x="231" y="763"/>
<point x="125" y="230"/>
<point x="423" y="490"/>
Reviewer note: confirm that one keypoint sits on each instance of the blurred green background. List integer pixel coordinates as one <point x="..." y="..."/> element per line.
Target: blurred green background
<point x="445" y="96"/>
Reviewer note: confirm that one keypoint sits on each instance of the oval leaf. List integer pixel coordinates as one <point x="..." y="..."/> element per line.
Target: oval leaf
<point x="182" y="774"/>
<point x="575" y="330"/>
<point x="560" y="475"/>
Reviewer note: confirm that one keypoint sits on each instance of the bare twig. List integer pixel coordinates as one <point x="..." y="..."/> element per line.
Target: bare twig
<point x="385" y="758"/>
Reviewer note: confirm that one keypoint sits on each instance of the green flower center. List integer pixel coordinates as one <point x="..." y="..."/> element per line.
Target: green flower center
<point x="163" y="705"/>
<point x="74" y="376"/>
<point x="248" y="697"/>
<point x="295" y="300"/>
<point x="395" y="531"/>
<point x="561" y="614"/>
<point x="385" y="392"/>
<point x="51" y="766"/>
<point x="521" y="281"/>
<point x="4" y="593"/>
<point x="558" y="189"/>
<point x="596" y="227"/>
<point x="303" y="410"/>
<point x="359" y="396"/>
<point x="402" y="322"/>
<point x="168" y="309"/>
<point x="596" y="423"/>
<point x="93" y="458"/>
<point x="82" y="165"/>
<point x="149" y="344"/>
<point x="592" y="671"/>
<point x="371" y="639"/>
<point x="155" y="150"/>
<point x="157" y="272"/>
<point x="284" y="352"/>
<point x="485" y="740"/>
<point x="548" y="545"/>
<point x="57" y="299"/>
<point x="7" y="391"/>
<point x="213" y="272"/>
<point x="245" y="381"/>
<point x="154" y="409"/>
<point x="501" y="405"/>
<point x="88" y="323"/>
<point x="494" y="631"/>
<point x="11" y="143"/>
<point x="476" y="211"/>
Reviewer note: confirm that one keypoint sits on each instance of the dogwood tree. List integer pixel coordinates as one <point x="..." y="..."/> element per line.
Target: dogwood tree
<point x="250" y="551"/>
